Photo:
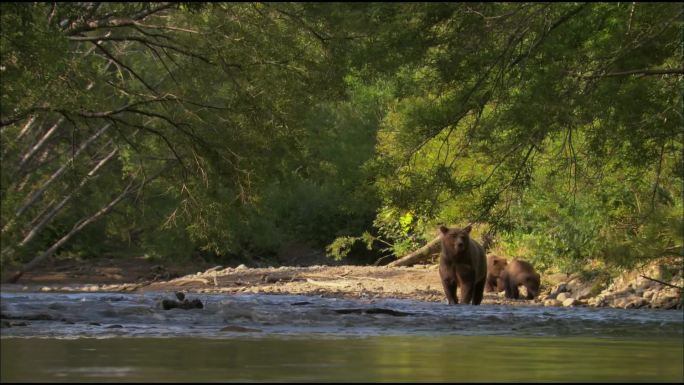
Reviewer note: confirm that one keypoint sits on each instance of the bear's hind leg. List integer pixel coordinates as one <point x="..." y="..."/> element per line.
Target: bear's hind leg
<point x="489" y="285"/>
<point x="515" y="292"/>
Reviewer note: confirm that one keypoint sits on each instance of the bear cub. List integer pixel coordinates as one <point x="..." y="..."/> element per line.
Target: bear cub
<point x="495" y="267"/>
<point x="462" y="263"/>
<point x="518" y="273"/>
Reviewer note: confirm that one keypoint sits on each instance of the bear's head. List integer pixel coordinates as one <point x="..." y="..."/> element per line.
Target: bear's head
<point x="455" y="240"/>
<point x="496" y="265"/>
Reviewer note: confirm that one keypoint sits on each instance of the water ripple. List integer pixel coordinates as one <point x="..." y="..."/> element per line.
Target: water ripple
<point x="105" y="315"/>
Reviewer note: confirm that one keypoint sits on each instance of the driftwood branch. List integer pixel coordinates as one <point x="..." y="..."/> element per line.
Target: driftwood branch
<point x="664" y="283"/>
<point x="419" y="255"/>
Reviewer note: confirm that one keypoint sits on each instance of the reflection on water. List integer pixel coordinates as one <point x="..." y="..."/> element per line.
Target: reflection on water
<point x="319" y="358"/>
<point x="130" y="337"/>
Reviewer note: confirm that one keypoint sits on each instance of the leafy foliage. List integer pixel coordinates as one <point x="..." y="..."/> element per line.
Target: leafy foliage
<point x="243" y="127"/>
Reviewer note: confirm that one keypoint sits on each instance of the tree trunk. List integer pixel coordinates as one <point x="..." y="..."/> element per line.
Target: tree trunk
<point x="36" y="229"/>
<point x="26" y="128"/>
<point x="80" y="225"/>
<point x="77" y="227"/>
<point x="420" y="255"/>
<point x="32" y="151"/>
<point x="36" y="194"/>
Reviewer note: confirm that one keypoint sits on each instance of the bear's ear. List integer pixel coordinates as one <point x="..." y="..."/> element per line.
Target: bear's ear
<point x="467" y="229"/>
<point x="443" y="229"/>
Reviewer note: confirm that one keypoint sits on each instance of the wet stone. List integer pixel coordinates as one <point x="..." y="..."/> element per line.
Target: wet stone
<point x="552" y="302"/>
<point x="168" y="304"/>
<point x="373" y="311"/>
<point x="242" y="329"/>
<point x="30" y="317"/>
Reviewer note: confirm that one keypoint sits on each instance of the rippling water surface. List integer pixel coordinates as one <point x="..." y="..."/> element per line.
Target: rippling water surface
<point x="130" y="337"/>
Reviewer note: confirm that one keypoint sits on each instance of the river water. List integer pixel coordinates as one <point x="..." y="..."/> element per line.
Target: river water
<point x="130" y="337"/>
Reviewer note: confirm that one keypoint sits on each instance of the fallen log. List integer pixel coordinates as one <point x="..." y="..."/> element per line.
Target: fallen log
<point x="421" y="255"/>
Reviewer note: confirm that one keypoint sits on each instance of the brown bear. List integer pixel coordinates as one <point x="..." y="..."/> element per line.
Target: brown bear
<point x="518" y="273"/>
<point x="462" y="263"/>
<point x="495" y="267"/>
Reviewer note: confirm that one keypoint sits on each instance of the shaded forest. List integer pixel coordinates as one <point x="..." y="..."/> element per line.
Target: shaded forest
<point x="227" y="130"/>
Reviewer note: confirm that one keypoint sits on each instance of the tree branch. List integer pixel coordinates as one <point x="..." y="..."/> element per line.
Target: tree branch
<point x="117" y="61"/>
<point x="105" y="22"/>
<point x="642" y="72"/>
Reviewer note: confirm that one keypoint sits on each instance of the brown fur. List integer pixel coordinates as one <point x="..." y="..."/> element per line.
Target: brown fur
<point x="518" y="273"/>
<point x="495" y="267"/>
<point x="462" y="263"/>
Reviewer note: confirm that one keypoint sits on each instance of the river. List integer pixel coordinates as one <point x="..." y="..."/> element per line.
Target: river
<point x="130" y="337"/>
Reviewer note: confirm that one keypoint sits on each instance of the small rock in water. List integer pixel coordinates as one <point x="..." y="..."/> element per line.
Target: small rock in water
<point x="552" y="302"/>
<point x="235" y="328"/>
<point x="300" y="303"/>
<point x="372" y="311"/>
<point x="169" y="304"/>
<point x="180" y="296"/>
<point x="185" y="304"/>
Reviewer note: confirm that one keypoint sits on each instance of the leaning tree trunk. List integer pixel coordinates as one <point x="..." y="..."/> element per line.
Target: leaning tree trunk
<point x="33" y="150"/>
<point x="420" y="255"/>
<point x="56" y="209"/>
<point x="36" y="194"/>
<point x="77" y="228"/>
<point x="83" y="223"/>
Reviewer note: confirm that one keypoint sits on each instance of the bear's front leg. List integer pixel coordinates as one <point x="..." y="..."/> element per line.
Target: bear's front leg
<point x="450" y="290"/>
<point x="466" y="292"/>
<point x="449" y="285"/>
<point x="478" y="292"/>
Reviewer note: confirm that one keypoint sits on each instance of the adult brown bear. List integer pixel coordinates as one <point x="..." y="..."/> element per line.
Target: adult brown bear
<point x="495" y="267"/>
<point x="462" y="263"/>
<point x="520" y="273"/>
